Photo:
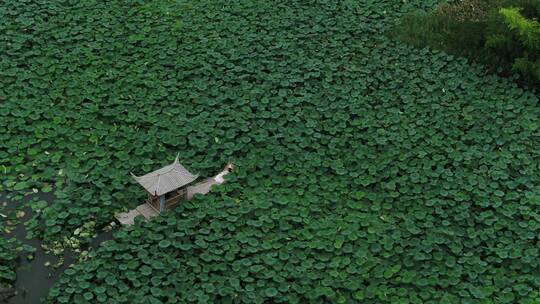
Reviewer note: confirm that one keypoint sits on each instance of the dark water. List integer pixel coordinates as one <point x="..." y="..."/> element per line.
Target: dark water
<point x="34" y="279"/>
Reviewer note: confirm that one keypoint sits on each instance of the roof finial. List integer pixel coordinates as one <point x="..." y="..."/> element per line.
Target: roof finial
<point x="176" y="159"/>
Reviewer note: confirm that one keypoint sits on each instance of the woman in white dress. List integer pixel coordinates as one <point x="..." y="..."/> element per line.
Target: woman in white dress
<point x="219" y="178"/>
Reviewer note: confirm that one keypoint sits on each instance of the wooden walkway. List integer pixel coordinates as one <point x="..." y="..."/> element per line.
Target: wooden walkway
<point x="128" y="218"/>
<point x="147" y="211"/>
<point x="201" y="188"/>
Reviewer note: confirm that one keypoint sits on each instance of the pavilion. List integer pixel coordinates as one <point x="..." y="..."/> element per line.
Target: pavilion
<point x="166" y="186"/>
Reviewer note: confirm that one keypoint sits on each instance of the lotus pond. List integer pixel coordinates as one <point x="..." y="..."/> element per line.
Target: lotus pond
<point x="35" y="268"/>
<point x="367" y="171"/>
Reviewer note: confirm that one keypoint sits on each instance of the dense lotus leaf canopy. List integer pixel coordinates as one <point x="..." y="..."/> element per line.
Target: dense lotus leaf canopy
<point x="367" y="171"/>
<point x="166" y="179"/>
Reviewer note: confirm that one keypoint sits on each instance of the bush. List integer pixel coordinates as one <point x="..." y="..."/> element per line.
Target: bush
<point x="441" y="32"/>
<point x="503" y="35"/>
<point x="469" y="10"/>
<point x="513" y="38"/>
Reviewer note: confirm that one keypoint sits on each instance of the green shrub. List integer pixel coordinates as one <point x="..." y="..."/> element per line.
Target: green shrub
<point x="503" y="35"/>
<point x="513" y="38"/>
<point x="468" y="10"/>
<point x="441" y="32"/>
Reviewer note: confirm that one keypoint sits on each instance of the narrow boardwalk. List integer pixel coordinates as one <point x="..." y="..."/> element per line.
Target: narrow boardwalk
<point x="128" y="218"/>
<point x="201" y="188"/>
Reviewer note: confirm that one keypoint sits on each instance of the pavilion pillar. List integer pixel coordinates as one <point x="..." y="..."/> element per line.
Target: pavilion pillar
<point x="162" y="203"/>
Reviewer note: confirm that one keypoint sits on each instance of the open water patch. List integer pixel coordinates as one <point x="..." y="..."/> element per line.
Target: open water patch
<point x="38" y="271"/>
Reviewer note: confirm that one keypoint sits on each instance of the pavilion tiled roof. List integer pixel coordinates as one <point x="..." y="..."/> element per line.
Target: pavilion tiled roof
<point x="166" y="179"/>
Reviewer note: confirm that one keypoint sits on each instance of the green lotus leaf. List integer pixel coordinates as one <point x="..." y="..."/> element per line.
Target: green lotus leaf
<point x="164" y="244"/>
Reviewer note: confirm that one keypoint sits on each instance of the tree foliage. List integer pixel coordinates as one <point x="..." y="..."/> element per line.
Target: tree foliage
<point x="528" y="33"/>
<point x="504" y="35"/>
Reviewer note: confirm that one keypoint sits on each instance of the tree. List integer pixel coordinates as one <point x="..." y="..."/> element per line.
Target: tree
<point x="514" y="36"/>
